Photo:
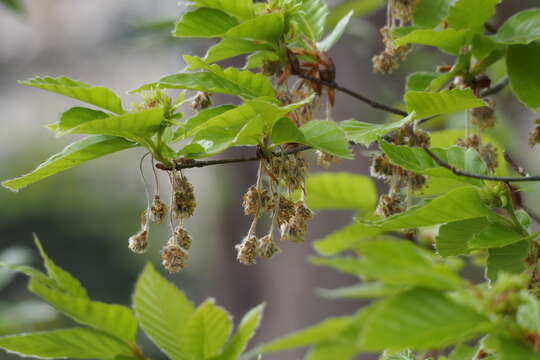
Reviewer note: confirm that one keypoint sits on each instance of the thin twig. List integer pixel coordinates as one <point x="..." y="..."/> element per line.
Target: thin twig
<point x="191" y="163"/>
<point x="521" y="171"/>
<point x="458" y="172"/>
<point x="490" y="28"/>
<point x="370" y="102"/>
<point x="495" y="89"/>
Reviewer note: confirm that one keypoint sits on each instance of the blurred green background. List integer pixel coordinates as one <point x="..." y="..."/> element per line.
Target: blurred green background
<point x="85" y="216"/>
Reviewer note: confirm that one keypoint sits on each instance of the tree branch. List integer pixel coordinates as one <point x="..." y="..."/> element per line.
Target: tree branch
<point x="497" y="88"/>
<point x="370" y="102"/>
<point x="184" y="163"/>
<point x="458" y="172"/>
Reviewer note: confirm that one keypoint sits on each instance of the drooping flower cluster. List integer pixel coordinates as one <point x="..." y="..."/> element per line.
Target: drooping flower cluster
<point x="399" y="13"/>
<point x="398" y="178"/>
<point x="534" y="135"/>
<point x="278" y="179"/>
<point x="488" y="153"/>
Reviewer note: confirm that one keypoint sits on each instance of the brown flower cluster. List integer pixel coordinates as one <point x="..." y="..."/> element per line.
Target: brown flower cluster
<point x="398" y="178"/>
<point x="488" y="153"/>
<point x="277" y="181"/>
<point x="534" y="135"/>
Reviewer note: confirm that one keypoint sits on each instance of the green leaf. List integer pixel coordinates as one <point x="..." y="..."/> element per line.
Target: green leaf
<point x="521" y="28"/>
<point x="115" y="320"/>
<point x="510" y="259"/>
<point x="465" y="14"/>
<point x="326" y="330"/>
<point x="74" y="117"/>
<point x="430" y="13"/>
<point x="230" y="47"/>
<point x="75" y="343"/>
<point x="435" y="103"/>
<point x="333" y="350"/>
<point x="267" y="27"/>
<point x="204" y="115"/>
<point x="360" y="8"/>
<point x="511" y="349"/>
<point x="64" y="280"/>
<point x="206" y="332"/>
<point x="15" y="5"/>
<point x="448" y="40"/>
<point x="89" y="148"/>
<point x="285" y="131"/>
<point x="366" y="290"/>
<point x="315" y="13"/>
<point x="346" y="238"/>
<point x="395" y="262"/>
<point x="98" y="96"/>
<point x="162" y="310"/>
<point x="419" y="81"/>
<point x="366" y="133"/>
<point x="137" y="126"/>
<point x="242" y="9"/>
<point x="523" y="73"/>
<point x="258" y="59"/>
<point x="256" y="84"/>
<point x="204" y="23"/>
<point x="496" y="235"/>
<point x="335" y="35"/>
<point x="458" y="204"/>
<point x="453" y="238"/>
<point x="418" y="160"/>
<point x="249" y="324"/>
<point x="338" y="191"/>
<point x="528" y="315"/>
<point x="420" y="319"/>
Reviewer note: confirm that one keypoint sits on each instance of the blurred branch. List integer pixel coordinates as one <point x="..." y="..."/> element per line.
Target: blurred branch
<point x="497" y="88"/>
<point x="458" y="172"/>
<point x="521" y="171"/>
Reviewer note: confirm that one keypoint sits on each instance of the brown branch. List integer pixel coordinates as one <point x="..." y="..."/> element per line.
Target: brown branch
<point x="370" y="102"/>
<point x="458" y="172"/>
<point x="191" y="163"/>
<point x="521" y="171"/>
<point x="495" y="89"/>
<point x="490" y="28"/>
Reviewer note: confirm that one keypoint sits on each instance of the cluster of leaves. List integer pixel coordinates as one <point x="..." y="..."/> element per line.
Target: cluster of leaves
<point x="109" y="331"/>
<point x="421" y="302"/>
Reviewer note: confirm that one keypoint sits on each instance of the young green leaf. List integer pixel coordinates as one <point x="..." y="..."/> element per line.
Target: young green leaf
<point x="204" y="23"/>
<point x="345" y="238"/>
<point x="430" y="13"/>
<point x="74" y="117"/>
<point x="258" y="59"/>
<point x="326" y="330"/>
<point x="285" y="131"/>
<point x="522" y="28"/>
<point x="115" y="320"/>
<point x="162" y="310"/>
<point x="89" y="148"/>
<point x="419" y="81"/>
<point x="417" y="159"/>
<point x="327" y="137"/>
<point x="508" y="348"/>
<point x="230" y="47"/>
<point x="75" y="343"/>
<point x="454" y="237"/>
<point x="341" y="191"/>
<point x="98" y="96"/>
<point x="458" y="204"/>
<point x="315" y="14"/>
<point x="471" y="15"/>
<point x="267" y="27"/>
<point x="62" y="279"/>
<point x="333" y="350"/>
<point x="510" y="259"/>
<point x="523" y="74"/>
<point x="448" y="40"/>
<point x="204" y="115"/>
<point x="249" y="324"/>
<point x="420" y="319"/>
<point x="137" y="126"/>
<point x="365" y="290"/>
<point x="366" y="133"/>
<point x="206" y="332"/>
<point x="335" y="35"/>
<point x="242" y="9"/>
<point x="496" y="235"/>
<point x="257" y="84"/>
<point x="427" y="104"/>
